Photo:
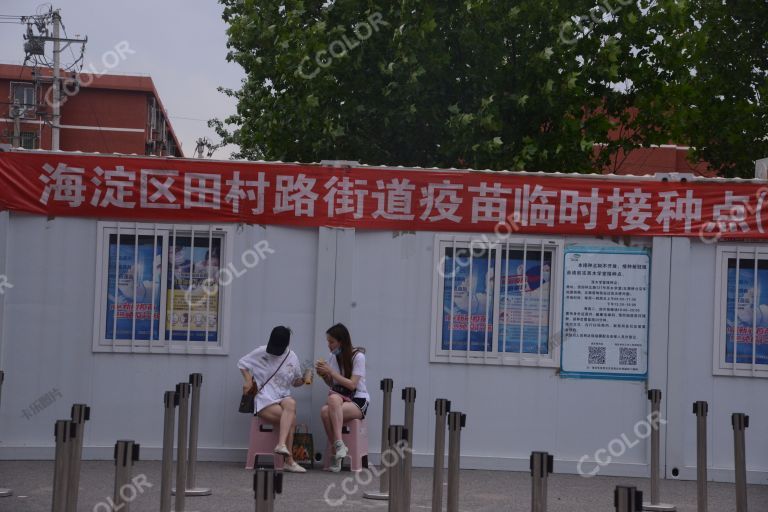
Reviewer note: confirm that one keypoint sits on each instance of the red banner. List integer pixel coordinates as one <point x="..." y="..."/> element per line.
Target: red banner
<point x="159" y="190"/>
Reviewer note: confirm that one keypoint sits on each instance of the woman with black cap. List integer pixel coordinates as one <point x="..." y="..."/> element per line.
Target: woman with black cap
<point x="273" y="369"/>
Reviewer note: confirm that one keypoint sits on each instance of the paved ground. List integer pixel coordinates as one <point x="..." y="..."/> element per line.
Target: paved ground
<point x="482" y="491"/>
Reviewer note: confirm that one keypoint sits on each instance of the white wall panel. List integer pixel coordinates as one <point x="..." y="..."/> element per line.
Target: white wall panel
<point x="50" y="318"/>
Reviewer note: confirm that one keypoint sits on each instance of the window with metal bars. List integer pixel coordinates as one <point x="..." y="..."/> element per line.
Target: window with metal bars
<point x="741" y="327"/>
<point x="28" y="140"/>
<point x="158" y="288"/>
<point x="495" y="300"/>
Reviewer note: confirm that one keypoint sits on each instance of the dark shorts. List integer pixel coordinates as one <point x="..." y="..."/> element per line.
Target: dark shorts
<point x="362" y="403"/>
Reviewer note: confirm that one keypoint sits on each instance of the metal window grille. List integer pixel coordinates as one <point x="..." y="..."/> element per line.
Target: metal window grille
<point x="158" y="289"/>
<point x="747" y="327"/>
<point x="28" y="140"/>
<point x="495" y="300"/>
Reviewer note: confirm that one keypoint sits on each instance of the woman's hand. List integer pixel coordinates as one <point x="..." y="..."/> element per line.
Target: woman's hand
<point x="323" y="369"/>
<point x="298" y="383"/>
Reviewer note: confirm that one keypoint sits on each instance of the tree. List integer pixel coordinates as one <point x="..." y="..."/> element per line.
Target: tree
<point x="698" y="77"/>
<point x="518" y="85"/>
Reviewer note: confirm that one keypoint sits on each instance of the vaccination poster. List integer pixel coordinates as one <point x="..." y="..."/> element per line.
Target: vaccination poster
<point x="468" y="299"/>
<point x="747" y="317"/>
<point x="133" y="286"/>
<point x="193" y="289"/>
<point x="524" y="302"/>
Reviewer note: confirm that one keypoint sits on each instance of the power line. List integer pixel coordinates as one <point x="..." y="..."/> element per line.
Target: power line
<point x="189" y="118"/>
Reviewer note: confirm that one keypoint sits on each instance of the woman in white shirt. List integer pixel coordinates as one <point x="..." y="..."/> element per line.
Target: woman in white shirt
<point x="273" y="368"/>
<point x="348" y="398"/>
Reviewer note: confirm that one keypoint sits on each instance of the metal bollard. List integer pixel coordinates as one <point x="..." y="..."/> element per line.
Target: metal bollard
<point x="442" y="408"/>
<point x="541" y="466"/>
<point x="170" y="401"/>
<point x="398" y="437"/>
<point x="4" y="493"/>
<point x="409" y="396"/>
<point x="80" y="414"/>
<point x="456" y="421"/>
<point x="700" y="409"/>
<point x="383" y="494"/>
<point x="627" y="499"/>
<point x="126" y="453"/>
<point x="64" y="432"/>
<point x="195" y="380"/>
<point x="266" y="483"/>
<point x="740" y="423"/>
<point x="654" y="395"/>
<point x="181" y="453"/>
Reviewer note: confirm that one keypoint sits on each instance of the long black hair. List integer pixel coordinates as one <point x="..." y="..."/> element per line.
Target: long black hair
<point x="340" y="333"/>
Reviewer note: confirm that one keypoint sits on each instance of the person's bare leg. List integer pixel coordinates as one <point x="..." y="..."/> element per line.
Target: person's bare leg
<point x="273" y="415"/>
<point x="336" y="415"/>
<point x="350" y="412"/>
<point x="291" y="431"/>
<point x="287" y="420"/>
<point x="325" y="417"/>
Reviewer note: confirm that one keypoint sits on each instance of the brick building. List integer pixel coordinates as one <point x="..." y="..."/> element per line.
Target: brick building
<point x="108" y="114"/>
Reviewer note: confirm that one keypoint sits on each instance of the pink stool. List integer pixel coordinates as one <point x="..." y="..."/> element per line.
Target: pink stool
<point x="262" y="442"/>
<point x="354" y="433"/>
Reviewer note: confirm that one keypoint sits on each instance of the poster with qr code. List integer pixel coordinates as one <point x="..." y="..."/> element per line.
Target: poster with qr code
<point x="605" y="313"/>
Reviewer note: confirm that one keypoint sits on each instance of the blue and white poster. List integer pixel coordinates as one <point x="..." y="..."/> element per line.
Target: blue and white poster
<point x="133" y="286"/>
<point x="524" y="302"/>
<point x="747" y="318"/>
<point x="605" y="313"/>
<point x="468" y="300"/>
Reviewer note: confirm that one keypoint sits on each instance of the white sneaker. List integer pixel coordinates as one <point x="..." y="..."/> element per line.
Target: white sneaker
<point x="341" y="451"/>
<point x="281" y="449"/>
<point x="335" y="466"/>
<point x="293" y="467"/>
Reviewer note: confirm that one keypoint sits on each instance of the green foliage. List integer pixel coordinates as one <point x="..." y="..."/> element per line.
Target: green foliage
<point x="519" y="85"/>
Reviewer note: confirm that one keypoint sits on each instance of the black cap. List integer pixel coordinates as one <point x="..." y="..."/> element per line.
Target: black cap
<point x="278" y="340"/>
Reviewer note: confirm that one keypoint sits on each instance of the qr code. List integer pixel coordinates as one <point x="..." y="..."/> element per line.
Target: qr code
<point x="627" y="356"/>
<point x="596" y="355"/>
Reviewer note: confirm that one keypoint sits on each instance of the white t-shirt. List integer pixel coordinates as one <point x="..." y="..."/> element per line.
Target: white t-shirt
<point x="358" y="368"/>
<point x="262" y="365"/>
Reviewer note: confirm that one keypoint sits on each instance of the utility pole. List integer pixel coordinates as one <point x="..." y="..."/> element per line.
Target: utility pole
<point x="35" y="51"/>
<point x="56" y="77"/>
<point x="202" y="144"/>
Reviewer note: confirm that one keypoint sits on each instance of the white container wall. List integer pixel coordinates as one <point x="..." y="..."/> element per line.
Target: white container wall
<point x="381" y="284"/>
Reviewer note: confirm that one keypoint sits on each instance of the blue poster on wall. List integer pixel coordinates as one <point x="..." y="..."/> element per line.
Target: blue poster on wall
<point x="747" y="317"/>
<point x="468" y="300"/>
<point x="133" y="288"/>
<point x="524" y="302"/>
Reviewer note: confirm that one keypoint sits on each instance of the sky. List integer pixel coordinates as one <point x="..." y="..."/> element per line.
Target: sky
<point x="181" y="44"/>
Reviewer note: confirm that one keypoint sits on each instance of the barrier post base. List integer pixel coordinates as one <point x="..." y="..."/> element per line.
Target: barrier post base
<point x="197" y="491"/>
<point x="663" y="507"/>
<point x="376" y="495"/>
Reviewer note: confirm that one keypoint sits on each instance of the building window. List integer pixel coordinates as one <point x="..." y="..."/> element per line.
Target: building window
<point x="24" y="99"/>
<point x="28" y="140"/>
<point x="741" y="322"/>
<point x="23" y="93"/>
<point x="494" y="300"/>
<point x="158" y="288"/>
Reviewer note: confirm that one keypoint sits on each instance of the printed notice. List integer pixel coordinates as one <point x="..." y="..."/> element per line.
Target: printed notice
<point x="605" y="313"/>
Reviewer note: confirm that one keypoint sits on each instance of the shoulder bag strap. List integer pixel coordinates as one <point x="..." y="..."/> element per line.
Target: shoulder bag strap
<point x="275" y="373"/>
